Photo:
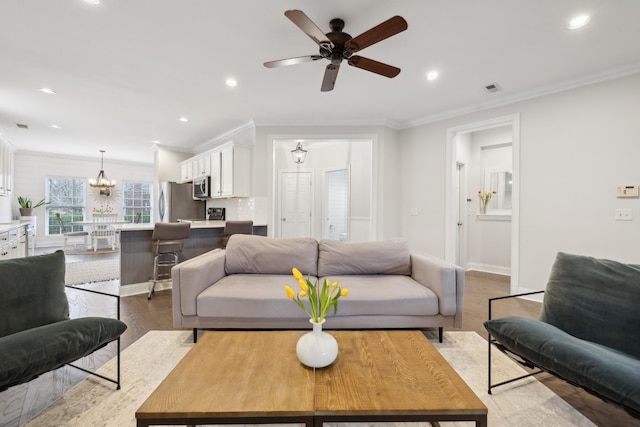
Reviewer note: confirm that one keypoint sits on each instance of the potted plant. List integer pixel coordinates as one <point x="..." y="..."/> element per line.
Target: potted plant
<point x="27" y="206"/>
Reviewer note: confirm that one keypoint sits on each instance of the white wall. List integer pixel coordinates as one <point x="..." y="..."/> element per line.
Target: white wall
<point x="31" y="170"/>
<point x="576" y="147"/>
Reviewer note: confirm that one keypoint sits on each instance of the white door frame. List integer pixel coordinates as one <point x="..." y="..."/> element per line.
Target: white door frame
<point x="450" y="207"/>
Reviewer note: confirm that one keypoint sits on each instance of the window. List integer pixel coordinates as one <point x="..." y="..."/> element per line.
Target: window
<point x="68" y="197"/>
<point x="136" y="200"/>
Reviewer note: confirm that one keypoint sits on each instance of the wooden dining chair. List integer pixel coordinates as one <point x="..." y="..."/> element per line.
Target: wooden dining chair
<point x="103" y="229"/>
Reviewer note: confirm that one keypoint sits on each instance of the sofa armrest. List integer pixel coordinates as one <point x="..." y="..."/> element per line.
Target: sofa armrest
<point x="193" y="276"/>
<point x="446" y="280"/>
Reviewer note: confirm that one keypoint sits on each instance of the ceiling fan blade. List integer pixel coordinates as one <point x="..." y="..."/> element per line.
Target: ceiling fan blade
<point x="292" y="61"/>
<point x="374" y="66"/>
<point x="330" y="75"/>
<point x="388" y="28"/>
<point x="309" y="27"/>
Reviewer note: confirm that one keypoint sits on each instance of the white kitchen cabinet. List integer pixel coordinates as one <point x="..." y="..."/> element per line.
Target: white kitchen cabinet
<point x="186" y="171"/>
<point x="202" y="166"/>
<point x="234" y="175"/>
<point x="216" y="174"/>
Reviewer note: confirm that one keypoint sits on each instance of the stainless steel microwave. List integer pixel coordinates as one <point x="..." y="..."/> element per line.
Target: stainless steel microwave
<point x="202" y="188"/>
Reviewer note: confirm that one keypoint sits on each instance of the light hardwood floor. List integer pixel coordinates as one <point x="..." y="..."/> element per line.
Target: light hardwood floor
<point x="142" y="315"/>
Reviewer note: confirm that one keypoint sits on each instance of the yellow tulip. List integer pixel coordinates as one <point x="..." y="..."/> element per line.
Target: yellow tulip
<point x="291" y="294"/>
<point x="344" y="292"/>
<point x="296" y="274"/>
<point x="302" y="294"/>
<point x="336" y="284"/>
<point x="303" y="284"/>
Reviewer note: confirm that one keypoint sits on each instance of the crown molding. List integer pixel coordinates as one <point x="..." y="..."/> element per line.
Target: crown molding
<point x="547" y="90"/>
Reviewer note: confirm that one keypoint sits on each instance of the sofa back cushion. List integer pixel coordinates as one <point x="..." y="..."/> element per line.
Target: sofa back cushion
<point x="382" y="257"/>
<point x="595" y="300"/>
<point x="32" y="290"/>
<point x="249" y="254"/>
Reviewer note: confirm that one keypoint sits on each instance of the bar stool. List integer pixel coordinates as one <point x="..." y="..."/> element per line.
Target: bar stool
<point x="235" y="227"/>
<point x="168" y="241"/>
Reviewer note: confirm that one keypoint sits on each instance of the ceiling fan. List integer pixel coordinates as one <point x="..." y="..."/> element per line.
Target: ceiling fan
<point x="338" y="45"/>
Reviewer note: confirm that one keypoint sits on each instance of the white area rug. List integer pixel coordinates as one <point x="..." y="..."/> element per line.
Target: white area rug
<point x="149" y="360"/>
<point x="92" y="271"/>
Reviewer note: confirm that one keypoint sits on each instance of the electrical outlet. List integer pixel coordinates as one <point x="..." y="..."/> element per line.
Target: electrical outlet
<point x="623" y="215"/>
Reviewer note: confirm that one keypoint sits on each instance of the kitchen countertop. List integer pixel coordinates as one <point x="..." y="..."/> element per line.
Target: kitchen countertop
<point x="194" y="224"/>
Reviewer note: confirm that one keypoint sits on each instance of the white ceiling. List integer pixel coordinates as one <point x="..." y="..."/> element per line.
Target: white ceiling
<point x="125" y="71"/>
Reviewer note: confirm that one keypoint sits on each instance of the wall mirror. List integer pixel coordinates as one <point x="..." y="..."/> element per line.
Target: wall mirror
<point x="502" y="183"/>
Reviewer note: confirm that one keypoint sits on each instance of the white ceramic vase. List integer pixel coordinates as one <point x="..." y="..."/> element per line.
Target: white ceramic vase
<point x="317" y="349"/>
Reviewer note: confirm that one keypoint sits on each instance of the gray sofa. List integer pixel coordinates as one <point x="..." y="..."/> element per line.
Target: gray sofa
<point x="587" y="332"/>
<point x="242" y="287"/>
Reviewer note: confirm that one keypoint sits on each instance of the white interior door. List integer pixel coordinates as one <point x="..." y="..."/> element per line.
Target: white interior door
<point x="296" y="202"/>
<point x="336" y="205"/>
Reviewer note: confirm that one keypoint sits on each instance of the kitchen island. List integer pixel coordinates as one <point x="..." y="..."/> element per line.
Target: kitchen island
<point x="136" y="253"/>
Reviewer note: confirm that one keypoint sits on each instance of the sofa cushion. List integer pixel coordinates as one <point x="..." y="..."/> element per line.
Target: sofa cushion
<point x="260" y="295"/>
<point x="250" y="296"/>
<point x="33" y="285"/>
<point x="28" y="354"/>
<point x="380" y="257"/>
<point x="392" y="295"/>
<point x="609" y="373"/>
<point x="248" y="254"/>
<point x="596" y="300"/>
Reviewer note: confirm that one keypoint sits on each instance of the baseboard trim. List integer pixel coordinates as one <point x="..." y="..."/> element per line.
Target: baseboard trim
<point x="142" y="288"/>
<point x="487" y="268"/>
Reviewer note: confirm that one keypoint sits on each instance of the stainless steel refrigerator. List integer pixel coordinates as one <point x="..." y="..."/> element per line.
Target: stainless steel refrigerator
<point x="175" y="201"/>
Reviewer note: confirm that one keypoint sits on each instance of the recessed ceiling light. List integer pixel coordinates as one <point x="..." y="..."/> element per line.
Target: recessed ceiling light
<point x="93" y="2"/>
<point x="55" y="126"/>
<point x="47" y="90"/>
<point x="578" y="22"/>
<point x="432" y="75"/>
<point x="231" y="82"/>
<point x="183" y="119"/>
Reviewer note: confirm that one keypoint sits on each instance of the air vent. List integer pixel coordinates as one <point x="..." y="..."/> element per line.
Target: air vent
<point x="22" y="126"/>
<point x="493" y="87"/>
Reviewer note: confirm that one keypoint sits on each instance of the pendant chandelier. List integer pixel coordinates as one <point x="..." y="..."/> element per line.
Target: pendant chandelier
<point x="298" y="154"/>
<point x="102" y="181"/>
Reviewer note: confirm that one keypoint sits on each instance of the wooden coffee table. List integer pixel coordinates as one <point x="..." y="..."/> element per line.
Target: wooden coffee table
<point x="253" y="377"/>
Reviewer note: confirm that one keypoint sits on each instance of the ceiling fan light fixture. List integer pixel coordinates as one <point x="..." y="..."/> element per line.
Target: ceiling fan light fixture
<point x="298" y="154"/>
<point x="102" y="181"/>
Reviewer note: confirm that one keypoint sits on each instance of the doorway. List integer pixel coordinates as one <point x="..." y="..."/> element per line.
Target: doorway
<point x="455" y="250"/>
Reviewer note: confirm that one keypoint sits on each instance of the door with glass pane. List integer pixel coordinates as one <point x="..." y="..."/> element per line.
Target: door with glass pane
<point x="336" y="205"/>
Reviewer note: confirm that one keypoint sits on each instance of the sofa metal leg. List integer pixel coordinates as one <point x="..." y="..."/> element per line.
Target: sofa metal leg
<point x="440" y="331"/>
<point x="195" y="335"/>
